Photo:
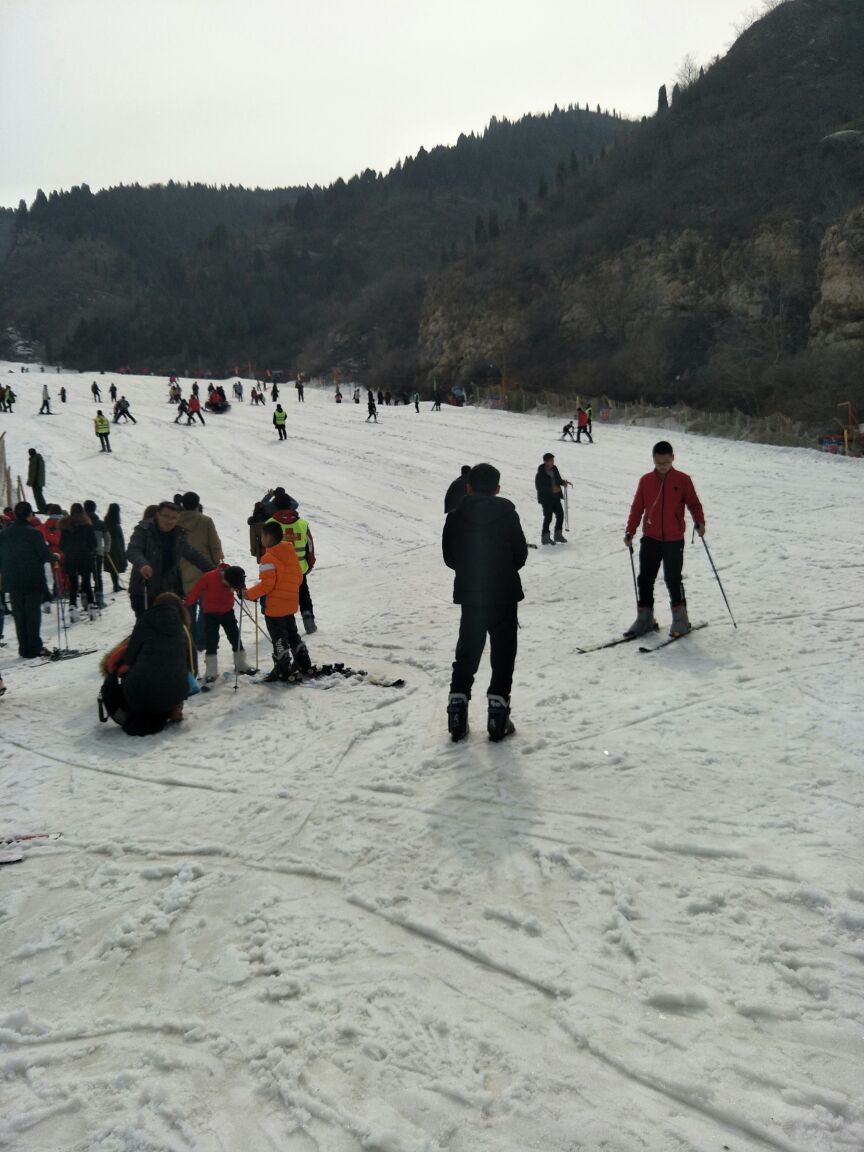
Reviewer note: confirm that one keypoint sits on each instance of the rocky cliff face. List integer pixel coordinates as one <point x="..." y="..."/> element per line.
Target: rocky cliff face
<point x="838" y="317"/>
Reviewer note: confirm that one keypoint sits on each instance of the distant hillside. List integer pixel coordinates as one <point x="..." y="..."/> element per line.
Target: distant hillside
<point x="715" y="257"/>
<point x="195" y="276"/>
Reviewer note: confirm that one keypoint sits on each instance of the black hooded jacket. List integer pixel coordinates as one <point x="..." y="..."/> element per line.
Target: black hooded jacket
<point x="545" y="481"/>
<point x="157" y="656"/>
<point x="23" y="556"/>
<point x="484" y="544"/>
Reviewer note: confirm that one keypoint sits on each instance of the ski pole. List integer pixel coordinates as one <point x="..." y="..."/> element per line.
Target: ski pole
<point x="717" y="575"/>
<point x="257" y="662"/>
<point x="566" y="508"/>
<point x="239" y="650"/>
<point x="57" y="598"/>
<point x="633" y="570"/>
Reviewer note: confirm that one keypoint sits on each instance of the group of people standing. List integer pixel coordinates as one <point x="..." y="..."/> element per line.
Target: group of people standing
<point x="483" y="542"/>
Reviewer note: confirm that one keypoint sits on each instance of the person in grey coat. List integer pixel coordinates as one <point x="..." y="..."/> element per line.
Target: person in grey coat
<point x="154" y="552"/>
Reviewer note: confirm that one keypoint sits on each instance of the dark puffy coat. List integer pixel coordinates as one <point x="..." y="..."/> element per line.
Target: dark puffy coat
<point x="78" y="545"/>
<point x="23" y="556"/>
<point x="484" y="544"/>
<point x="455" y="492"/>
<point x="158" y="661"/>
<point x="117" y="551"/>
<point x="545" y="481"/>
<point x="147" y="547"/>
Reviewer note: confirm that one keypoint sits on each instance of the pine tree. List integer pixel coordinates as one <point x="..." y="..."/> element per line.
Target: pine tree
<point x="662" y="100"/>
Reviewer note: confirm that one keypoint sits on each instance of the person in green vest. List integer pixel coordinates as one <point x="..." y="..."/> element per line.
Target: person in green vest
<point x="279" y="418"/>
<point x="296" y="530"/>
<point x="103" y="430"/>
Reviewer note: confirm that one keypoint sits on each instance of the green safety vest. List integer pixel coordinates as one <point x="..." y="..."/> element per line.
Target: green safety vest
<point x="280" y="418"/>
<point x="102" y="425"/>
<point x="296" y="534"/>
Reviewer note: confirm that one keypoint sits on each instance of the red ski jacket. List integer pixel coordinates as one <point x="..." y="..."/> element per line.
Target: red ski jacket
<point x="216" y="598"/>
<point x="662" y="499"/>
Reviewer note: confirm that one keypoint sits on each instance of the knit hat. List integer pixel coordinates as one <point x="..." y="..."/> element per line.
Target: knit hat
<point x="235" y="576"/>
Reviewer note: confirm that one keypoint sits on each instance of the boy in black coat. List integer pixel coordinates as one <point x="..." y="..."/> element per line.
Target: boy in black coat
<point x="484" y="544"/>
<point x="550" y="487"/>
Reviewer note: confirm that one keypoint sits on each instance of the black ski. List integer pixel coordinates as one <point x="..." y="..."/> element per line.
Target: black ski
<point x="612" y="643"/>
<point x="67" y="654"/>
<point x="672" y="639"/>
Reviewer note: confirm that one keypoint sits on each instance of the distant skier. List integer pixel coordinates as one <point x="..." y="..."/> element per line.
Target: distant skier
<point x="279" y="418"/>
<point x="182" y="410"/>
<point x="299" y="387"/>
<point x="457" y="489"/>
<point x="356" y="395"/>
<point x="103" y="430"/>
<point x="380" y="398"/>
<point x="550" y="487"/>
<point x="567" y="430"/>
<point x="123" y="410"/>
<point x="112" y="392"/>
<point x="36" y="478"/>
<point x="338" y="396"/>
<point x="584" y="426"/>
<point x="62" y="395"/>
<point x="436" y="399"/>
<point x="97" y="393"/>
<point x="415" y="399"/>
<point x="238" y="390"/>
<point x="660" y="500"/>
<point x="193" y="409"/>
<point x="274" y="392"/>
<point x="484" y="544"/>
<point x="45" y="410"/>
<point x="372" y="409"/>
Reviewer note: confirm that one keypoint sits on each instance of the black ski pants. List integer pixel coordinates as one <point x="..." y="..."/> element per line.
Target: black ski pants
<point x="579" y="432"/>
<point x="280" y="428"/>
<point x="104" y="441"/>
<point x="306" y="606"/>
<point x="27" y="614"/>
<point x="79" y="577"/>
<point x="286" y="640"/>
<point x="227" y="621"/>
<point x="191" y="418"/>
<point x="41" y="506"/>
<point x="653" y="553"/>
<point x="501" y="623"/>
<point x="553" y="507"/>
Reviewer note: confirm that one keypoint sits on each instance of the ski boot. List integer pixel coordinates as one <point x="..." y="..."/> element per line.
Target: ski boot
<point x="457" y="716"/>
<point x="211" y="668"/>
<point x="546" y="538"/>
<point x="100" y="602"/>
<point x="499" y="723"/>
<point x="73" y="614"/>
<point x="680" y="620"/>
<point x="644" y="621"/>
<point x="93" y="612"/>
<point x="240" y="665"/>
<point x="560" y="538"/>
<point x="309" y="624"/>
<point x="302" y="659"/>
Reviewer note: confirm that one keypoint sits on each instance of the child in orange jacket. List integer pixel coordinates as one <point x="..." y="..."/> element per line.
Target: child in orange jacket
<point x="279" y="581"/>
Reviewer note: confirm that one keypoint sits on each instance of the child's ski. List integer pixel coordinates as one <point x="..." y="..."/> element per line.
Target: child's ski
<point x="613" y="643"/>
<point x="672" y="639"/>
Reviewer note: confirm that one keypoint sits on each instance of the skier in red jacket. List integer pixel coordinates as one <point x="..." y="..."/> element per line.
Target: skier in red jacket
<point x="659" y="503"/>
<point x="216" y="590"/>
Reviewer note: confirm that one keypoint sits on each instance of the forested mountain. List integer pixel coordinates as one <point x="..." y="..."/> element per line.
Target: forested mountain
<point x="191" y="276"/>
<point x="716" y="257"/>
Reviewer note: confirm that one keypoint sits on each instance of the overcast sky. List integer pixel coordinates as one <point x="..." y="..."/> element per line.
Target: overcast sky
<point x="281" y="92"/>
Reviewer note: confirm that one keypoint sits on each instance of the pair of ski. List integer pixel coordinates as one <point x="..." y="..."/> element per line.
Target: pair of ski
<point x="65" y="654"/>
<point x="628" y="639"/>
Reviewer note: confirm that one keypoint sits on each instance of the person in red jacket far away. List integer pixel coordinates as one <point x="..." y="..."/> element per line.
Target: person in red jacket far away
<point x="659" y="503"/>
<point x="216" y="591"/>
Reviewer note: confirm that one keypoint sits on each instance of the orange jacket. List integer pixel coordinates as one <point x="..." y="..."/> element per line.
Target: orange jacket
<point x="279" y="580"/>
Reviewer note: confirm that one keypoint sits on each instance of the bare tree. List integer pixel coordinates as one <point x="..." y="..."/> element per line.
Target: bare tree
<point x="688" y="72"/>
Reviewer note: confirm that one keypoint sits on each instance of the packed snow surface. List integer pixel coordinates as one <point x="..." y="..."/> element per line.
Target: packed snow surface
<point x="304" y="920"/>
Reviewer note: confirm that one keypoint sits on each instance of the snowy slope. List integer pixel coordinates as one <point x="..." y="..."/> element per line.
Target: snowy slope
<point x="304" y="920"/>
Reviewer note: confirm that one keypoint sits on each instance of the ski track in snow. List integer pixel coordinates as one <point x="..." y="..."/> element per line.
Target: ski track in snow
<point x="638" y="926"/>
